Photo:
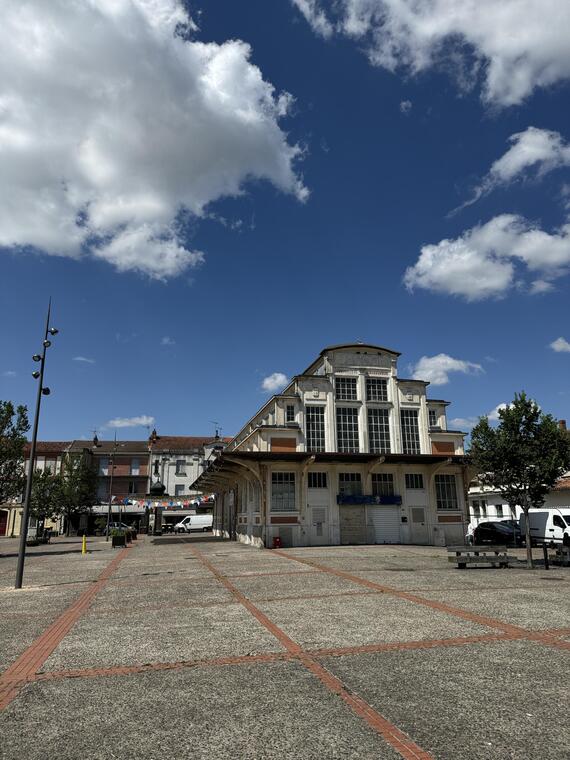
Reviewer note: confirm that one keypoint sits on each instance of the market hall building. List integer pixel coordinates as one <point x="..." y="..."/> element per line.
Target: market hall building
<point x="348" y="453"/>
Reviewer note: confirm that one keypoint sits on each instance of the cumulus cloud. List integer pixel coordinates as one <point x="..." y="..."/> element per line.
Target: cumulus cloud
<point x="167" y="341"/>
<point x="406" y="106"/>
<point x="125" y="422"/>
<point x="9" y="373"/>
<point x="481" y="262"/>
<point x="436" y="369"/>
<point x="468" y="423"/>
<point x="117" y="124"/>
<point x="83" y="359"/>
<point x="560" y="345"/>
<point x="513" y="46"/>
<point x="274" y="382"/>
<point x="540" y="149"/>
<point x="316" y="17"/>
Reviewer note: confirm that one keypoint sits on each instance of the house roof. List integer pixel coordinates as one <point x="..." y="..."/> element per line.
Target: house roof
<point x="48" y="447"/>
<point x="563" y="484"/>
<point x="184" y="442"/>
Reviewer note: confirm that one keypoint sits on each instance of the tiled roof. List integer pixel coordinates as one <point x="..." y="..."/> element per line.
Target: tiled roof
<point x="104" y="447"/>
<point x="563" y="484"/>
<point x="183" y="442"/>
<point x="48" y="447"/>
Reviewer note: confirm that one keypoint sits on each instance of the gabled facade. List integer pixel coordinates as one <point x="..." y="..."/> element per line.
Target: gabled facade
<point x="347" y="453"/>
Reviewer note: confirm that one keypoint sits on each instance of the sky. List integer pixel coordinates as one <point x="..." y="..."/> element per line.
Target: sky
<point x="213" y="192"/>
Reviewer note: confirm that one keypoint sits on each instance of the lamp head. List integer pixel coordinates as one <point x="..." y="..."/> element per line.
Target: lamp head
<point x="46" y="391"/>
<point x="47" y="343"/>
<point x="35" y="374"/>
<point x="37" y="358"/>
<point x="53" y="330"/>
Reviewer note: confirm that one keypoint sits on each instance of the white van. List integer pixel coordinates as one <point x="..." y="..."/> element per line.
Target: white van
<point x="194" y="522"/>
<point x="547" y="525"/>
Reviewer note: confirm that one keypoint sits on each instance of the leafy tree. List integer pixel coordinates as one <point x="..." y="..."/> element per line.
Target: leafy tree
<point x="13" y="428"/>
<point x="47" y="498"/>
<point x="79" y="485"/>
<point x="522" y="457"/>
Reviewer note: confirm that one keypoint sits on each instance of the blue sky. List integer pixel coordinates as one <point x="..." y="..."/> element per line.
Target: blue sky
<point x="260" y="228"/>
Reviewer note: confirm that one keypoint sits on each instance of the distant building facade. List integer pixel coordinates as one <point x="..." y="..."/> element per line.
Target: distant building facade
<point x="347" y="453"/>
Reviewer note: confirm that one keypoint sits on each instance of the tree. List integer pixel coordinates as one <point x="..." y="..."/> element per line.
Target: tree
<point x="13" y="428"/>
<point x="522" y="457"/>
<point x="79" y="485"/>
<point x="47" y="498"/>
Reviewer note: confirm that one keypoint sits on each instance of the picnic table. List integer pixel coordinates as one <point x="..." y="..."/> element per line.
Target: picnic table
<point x="484" y="554"/>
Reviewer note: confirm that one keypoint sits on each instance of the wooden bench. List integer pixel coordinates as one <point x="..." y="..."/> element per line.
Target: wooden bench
<point x="561" y="556"/>
<point x="496" y="556"/>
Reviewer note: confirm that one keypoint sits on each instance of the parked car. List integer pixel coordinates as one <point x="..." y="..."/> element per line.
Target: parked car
<point x="547" y="525"/>
<point x="498" y="532"/>
<point x="194" y="522"/>
<point x="119" y="526"/>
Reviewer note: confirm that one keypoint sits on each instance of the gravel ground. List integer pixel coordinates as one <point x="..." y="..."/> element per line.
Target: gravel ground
<point x="501" y="700"/>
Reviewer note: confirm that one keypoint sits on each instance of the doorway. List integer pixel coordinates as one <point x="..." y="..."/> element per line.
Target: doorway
<point x="419" y="526"/>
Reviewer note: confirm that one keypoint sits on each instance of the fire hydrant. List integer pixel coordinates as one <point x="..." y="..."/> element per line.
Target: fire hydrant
<point x="276" y="542"/>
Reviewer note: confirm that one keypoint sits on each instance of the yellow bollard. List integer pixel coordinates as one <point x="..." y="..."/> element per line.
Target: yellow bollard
<point x="84" y="545"/>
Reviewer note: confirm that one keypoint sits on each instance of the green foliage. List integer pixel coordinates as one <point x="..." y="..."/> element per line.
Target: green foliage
<point x="47" y="499"/>
<point x="523" y="457"/>
<point x="79" y="485"/>
<point x="13" y="428"/>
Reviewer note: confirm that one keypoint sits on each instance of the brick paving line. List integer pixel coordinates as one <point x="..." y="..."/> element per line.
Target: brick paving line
<point x="114" y="670"/>
<point x="518" y="631"/>
<point x="399" y="741"/>
<point x="29" y="662"/>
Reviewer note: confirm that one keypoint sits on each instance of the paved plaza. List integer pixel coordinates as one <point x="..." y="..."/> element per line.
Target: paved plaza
<point x="192" y="647"/>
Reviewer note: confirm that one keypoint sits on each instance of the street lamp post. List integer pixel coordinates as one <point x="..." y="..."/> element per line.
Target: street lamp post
<point x="42" y="391"/>
<point x="112" y="467"/>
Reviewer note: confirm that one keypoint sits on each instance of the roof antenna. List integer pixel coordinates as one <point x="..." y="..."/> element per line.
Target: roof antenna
<point x="217" y="429"/>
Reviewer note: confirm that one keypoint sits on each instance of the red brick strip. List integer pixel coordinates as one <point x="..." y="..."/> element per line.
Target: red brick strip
<point x="392" y="735"/>
<point x="541" y="637"/>
<point x="26" y="666"/>
<point x="127" y="670"/>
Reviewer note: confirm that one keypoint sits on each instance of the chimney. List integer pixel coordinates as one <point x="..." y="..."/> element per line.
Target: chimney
<point x="562" y="424"/>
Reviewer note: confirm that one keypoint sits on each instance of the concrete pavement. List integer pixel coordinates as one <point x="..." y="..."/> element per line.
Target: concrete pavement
<point x="196" y="648"/>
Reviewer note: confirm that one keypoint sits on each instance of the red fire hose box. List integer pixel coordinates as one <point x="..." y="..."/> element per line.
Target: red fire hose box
<point x="276" y="542"/>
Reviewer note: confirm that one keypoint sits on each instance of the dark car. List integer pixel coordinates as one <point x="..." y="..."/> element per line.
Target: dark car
<point x="498" y="532"/>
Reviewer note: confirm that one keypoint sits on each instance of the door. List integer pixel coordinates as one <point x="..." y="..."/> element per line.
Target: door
<point x="419" y="527"/>
<point x="3" y="522"/>
<point x="319" y="526"/>
<point x="385" y="524"/>
<point x="318" y="504"/>
<point x="352" y="524"/>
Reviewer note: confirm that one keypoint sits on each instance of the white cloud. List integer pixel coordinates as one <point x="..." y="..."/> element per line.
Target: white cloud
<point x="116" y="125"/>
<point x="124" y="422"/>
<point x="315" y="16"/>
<point x="436" y="369"/>
<point x="540" y="149"/>
<point x="274" y="382"/>
<point x="406" y="106"/>
<point x="83" y="359"/>
<point x="560" y="345"/>
<point x="167" y="341"/>
<point x="9" y="373"/>
<point x="481" y="262"/>
<point x="513" y="46"/>
<point x="493" y="415"/>
<point x="468" y="423"/>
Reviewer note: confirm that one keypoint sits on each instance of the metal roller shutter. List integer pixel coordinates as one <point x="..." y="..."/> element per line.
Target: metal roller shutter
<point x="386" y="522"/>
